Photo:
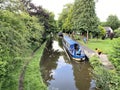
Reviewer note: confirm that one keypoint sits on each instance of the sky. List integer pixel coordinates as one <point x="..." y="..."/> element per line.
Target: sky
<point x="104" y="8"/>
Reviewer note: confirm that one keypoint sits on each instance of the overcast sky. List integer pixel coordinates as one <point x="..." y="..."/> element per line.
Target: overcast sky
<point x="104" y="8"/>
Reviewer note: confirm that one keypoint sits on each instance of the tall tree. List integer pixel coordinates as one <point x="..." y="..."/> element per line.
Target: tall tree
<point x="64" y="20"/>
<point x="113" y="22"/>
<point x="84" y="16"/>
<point x="68" y="24"/>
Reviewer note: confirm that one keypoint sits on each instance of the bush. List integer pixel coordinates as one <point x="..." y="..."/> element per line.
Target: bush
<point x="117" y="33"/>
<point x="115" y="55"/>
<point x="18" y="34"/>
<point x="95" y="61"/>
<point x="105" y="79"/>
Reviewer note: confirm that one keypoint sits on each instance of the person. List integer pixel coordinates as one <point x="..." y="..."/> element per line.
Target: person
<point x="78" y="51"/>
<point x="98" y="51"/>
<point x="77" y="48"/>
<point x="85" y="40"/>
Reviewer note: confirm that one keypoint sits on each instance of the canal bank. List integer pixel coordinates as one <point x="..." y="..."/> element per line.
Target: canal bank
<point x="60" y="73"/>
<point x="30" y="77"/>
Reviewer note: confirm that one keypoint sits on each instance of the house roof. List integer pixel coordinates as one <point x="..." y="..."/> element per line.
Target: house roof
<point x="108" y="29"/>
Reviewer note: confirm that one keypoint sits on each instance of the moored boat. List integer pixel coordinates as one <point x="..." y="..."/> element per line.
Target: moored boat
<point x="73" y="49"/>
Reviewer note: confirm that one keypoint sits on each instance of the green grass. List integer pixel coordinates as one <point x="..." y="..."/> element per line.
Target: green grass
<point x="33" y="79"/>
<point x="105" y="45"/>
<point x="12" y="82"/>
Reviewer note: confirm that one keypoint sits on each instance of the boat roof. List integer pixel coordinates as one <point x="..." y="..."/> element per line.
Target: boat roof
<point x="69" y="40"/>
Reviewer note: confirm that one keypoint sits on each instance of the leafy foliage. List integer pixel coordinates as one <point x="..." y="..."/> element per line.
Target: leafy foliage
<point x="115" y="56"/>
<point x="64" y="21"/>
<point x="67" y="25"/>
<point x="117" y="33"/>
<point x="94" y="61"/>
<point x="105" y="79"/>
<point x="113" y="22"/>
<point x="84" y="17"/>
<point x="18" y="33"/>
<point x="102" y="31"/>
<point x="45" y="17"/>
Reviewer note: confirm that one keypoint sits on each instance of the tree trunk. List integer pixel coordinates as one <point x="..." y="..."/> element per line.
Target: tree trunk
<point x="87" y="35"/>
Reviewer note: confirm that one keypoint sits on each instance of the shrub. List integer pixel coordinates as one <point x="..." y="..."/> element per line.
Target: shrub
<point x="117" y="33"/>
<point x="105" y="79"/>
<point x="115" y="55"/>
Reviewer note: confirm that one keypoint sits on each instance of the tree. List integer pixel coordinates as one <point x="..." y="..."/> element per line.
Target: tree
<point x="113" y="22"/>
<point x="67" y="25"/>
<point x="101" y="32"/>
<point x="45" y="17"/>
<point x="52" y="23"/>
<point x="64" y="20"/>
<point x="84" y="16"/>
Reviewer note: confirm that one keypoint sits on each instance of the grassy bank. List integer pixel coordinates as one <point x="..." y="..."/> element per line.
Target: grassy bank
<point x="105" y="79"/>
<point x="32" y="79"/>
<point x="11" y="82"/>
<point x="105" y="45"/>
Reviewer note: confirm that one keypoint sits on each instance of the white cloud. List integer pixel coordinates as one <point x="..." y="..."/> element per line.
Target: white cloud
<point x="52" y="5"/>
<point x="104" y="8"/>
<point x="56" y="46"/>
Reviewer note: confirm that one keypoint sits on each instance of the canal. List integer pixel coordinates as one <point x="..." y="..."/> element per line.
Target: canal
<point x="61" y="73"/>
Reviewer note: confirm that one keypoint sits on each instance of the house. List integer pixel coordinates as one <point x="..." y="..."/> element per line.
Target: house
<point x="109" y="31"/>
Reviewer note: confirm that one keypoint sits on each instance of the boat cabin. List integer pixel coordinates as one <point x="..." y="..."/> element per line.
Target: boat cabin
<point x="73" y="48"/>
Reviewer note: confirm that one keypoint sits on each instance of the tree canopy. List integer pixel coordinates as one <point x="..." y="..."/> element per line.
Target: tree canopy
<point x="113" y="22"/>
<point x="84" y="16"/>
<point x="79" y="16"/>
<point x="64" y="20"/>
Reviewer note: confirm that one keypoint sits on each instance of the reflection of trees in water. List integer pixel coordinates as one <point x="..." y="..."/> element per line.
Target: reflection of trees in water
<point x="81" y="75"/>
<point x="48" y="62"/>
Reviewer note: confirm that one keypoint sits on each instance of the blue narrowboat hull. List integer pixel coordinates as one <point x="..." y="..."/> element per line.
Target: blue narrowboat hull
<point x="68" y="44"/>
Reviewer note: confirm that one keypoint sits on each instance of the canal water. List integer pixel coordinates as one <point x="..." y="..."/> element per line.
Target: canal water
<point x="61" y="73"/>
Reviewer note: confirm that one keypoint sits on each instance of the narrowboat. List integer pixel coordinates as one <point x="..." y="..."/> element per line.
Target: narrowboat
<point x="73" y="48"/>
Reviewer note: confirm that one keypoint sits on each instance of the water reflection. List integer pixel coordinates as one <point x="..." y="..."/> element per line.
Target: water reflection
<point x="48" y="62"/>
<point x="56" y="46"/>
<point x="82" y="75"/>
<point x="59" y="73"/>
<point x="63" y="76"/>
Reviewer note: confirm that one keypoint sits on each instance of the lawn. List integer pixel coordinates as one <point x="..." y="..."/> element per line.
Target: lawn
<point x="105" y="45"/>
